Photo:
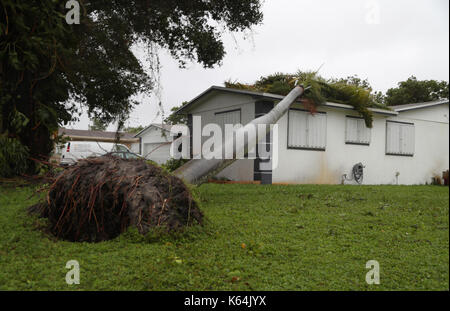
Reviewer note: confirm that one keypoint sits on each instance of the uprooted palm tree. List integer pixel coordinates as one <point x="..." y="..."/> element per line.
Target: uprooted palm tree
<point x="97" y="199"/>
<point x="313" y="89"/>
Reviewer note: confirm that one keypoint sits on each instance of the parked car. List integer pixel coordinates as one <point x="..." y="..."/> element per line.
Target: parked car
<point x="125" y="155"/>
<point x="77" y="150"/>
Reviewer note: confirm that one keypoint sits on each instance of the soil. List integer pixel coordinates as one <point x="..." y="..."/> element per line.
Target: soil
<point x="99" y="198"/>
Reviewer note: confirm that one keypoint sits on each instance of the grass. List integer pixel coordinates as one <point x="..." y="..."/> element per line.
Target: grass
<point x="257" y="237"/>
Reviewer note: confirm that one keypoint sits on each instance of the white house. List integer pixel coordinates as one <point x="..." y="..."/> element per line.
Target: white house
<point x="408" y="144"/>
<point x="154" y="144"/>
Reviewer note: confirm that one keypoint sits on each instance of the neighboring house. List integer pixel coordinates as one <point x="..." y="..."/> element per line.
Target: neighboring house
<point x="408" y="144"/>
<point x="155" y="142"/>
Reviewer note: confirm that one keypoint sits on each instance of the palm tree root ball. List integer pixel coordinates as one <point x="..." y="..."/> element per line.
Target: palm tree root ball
<point x="99" y="198"/>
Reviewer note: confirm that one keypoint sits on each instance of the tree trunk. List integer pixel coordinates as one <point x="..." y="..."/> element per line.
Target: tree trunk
<point x="197" y="171"/>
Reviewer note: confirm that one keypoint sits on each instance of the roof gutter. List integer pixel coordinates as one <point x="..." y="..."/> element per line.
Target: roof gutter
<point x="419" y="106"/>
<point x="155" y="125"/>
<point x="276" y="97"/>
<point x="348" y="107"/>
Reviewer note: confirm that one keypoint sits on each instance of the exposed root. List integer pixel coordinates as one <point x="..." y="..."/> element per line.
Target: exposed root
<point x="99" y="198"/>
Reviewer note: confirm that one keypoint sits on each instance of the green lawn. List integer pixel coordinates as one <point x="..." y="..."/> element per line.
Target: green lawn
<point x="304" y="237"/>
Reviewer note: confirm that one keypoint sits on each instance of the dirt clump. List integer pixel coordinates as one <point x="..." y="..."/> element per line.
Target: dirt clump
<point x="99" y="198"/>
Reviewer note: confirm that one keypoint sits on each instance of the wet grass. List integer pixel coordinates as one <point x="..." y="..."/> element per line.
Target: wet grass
<point x="256" y="237"/>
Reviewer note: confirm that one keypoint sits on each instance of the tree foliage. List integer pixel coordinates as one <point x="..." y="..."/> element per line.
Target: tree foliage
<point x="49" y="70"/>
<point x="133" y="130"/>
<point x="172" y="164"/>
<point x="97" y="125"/>
<point x="177" y="118"/>
<point x="13" y="156"/>
<point x="318" y="90"/>
<point x="416" y="91"/>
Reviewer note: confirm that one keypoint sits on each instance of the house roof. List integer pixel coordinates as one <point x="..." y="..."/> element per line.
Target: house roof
<point x="407" y="107"/>
<point x="165" y="127"/>
<point x="215" y="88"/>
<point x="98" y="135"/>
<point x="270" y="96"/>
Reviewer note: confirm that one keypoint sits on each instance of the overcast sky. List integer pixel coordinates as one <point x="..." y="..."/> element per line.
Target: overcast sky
<point x="384" y="41"/>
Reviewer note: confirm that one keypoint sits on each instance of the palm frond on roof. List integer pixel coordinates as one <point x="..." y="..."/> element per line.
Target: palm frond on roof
<point x="318" y="90"/>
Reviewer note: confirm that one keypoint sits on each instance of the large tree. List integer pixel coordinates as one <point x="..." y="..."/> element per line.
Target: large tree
<point x="49" y="69"/>
<point x="416" y="91"/>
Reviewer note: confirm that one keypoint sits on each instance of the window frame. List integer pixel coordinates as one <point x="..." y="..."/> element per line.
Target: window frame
<point x="305" y="148"/>
<point x="386" y="139"/>
<point x="356" y="143"/>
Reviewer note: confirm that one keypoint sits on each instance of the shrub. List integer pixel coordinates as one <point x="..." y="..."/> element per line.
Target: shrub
<point x="172" y="164"/>
<point x="13" y="157"/>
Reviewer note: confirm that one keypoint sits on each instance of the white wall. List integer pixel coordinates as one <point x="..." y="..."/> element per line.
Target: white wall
<point x="327" y="167"/>
<point x="155" y="137"/>
<point x="241" y="170"/>
<point x="431" y="155"/>
<point x="135" y="148"/>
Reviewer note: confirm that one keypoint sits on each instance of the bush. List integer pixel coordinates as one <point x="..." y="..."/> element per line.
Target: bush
<point x="13" y="157"/>
<point x="172" y="164"/>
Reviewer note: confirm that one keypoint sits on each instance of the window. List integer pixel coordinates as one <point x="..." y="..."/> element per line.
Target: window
<point x="400" y="138"/>
<point x="121" y="148"/>
<point x="356" y="131"/>
<point x="129" y="155"/>
<point x="228" y="117"/>
<point x="306" y="130"/>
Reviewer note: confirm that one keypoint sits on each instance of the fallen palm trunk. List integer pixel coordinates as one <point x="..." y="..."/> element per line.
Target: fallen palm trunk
<point x="99" y="198"/>
<point x="197" y="171"/>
